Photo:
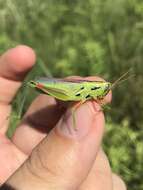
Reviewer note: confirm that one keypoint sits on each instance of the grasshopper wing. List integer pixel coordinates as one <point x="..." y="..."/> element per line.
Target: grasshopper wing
<point x="56" y="93"/>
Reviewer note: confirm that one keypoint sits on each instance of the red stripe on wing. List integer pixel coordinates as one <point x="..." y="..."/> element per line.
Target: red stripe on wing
<point x="39" y="85"/>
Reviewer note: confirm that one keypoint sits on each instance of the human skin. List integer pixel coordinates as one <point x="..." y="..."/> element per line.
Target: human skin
<point x="45" y="151"/>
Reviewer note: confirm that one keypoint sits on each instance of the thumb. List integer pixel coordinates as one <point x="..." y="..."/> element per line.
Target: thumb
<point x="64" y="158"/>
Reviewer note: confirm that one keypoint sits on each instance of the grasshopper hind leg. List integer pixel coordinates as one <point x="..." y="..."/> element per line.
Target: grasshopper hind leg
<point x="74" y="114"/>
<point x="74" y="119"/>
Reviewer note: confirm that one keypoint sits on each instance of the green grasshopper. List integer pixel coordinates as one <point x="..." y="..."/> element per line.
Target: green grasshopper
<point x="73" y="89"/>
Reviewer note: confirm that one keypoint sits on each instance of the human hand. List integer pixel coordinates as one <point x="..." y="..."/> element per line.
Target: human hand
<point x="45" y="151"/>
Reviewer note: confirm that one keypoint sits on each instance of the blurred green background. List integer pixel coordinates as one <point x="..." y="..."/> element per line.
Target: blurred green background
<point x="88" y="37"/>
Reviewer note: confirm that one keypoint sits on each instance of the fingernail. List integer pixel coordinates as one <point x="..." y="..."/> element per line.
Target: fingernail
<point x="84" y="116"/>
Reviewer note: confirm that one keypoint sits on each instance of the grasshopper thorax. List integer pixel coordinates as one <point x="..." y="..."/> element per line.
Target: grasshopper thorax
<point x="105" y="88"/>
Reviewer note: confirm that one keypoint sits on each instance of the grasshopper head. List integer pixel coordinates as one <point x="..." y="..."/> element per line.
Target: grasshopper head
<point x="100" y="89"/>
<point x="106" y="87"/>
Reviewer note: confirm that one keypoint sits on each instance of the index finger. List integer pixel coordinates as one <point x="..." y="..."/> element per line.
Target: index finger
<point x="14" y="64"/>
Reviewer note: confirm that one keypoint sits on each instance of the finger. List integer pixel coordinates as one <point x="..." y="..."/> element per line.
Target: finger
<point x="64" y="158"/>
<point x="42" y="115"/>
<point x="14" y="64"/>
<point x="118" y="183"/>
<point x="100" y="176"/>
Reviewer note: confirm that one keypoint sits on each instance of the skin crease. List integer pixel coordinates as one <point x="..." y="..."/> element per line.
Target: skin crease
<point x="44" y="150"/>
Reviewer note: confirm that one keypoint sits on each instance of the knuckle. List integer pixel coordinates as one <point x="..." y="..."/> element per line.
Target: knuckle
<point x="38" y="166"/>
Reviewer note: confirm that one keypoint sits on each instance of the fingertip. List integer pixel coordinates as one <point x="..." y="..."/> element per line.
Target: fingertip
<point x="80" y="123"/>
<point x="74" y="124"/>
<point x="26" y="52"/>
<point x="23" y="56"/>
<point x="16" y="62"/>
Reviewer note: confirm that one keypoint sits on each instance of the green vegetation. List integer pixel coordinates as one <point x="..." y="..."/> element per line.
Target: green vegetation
<point x="88" y="37"/>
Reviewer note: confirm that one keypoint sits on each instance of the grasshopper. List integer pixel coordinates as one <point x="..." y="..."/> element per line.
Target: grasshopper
<point x="74" y="90"/>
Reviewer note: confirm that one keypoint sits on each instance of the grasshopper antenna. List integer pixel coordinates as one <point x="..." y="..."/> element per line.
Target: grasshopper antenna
<point x="122" y="78"/>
